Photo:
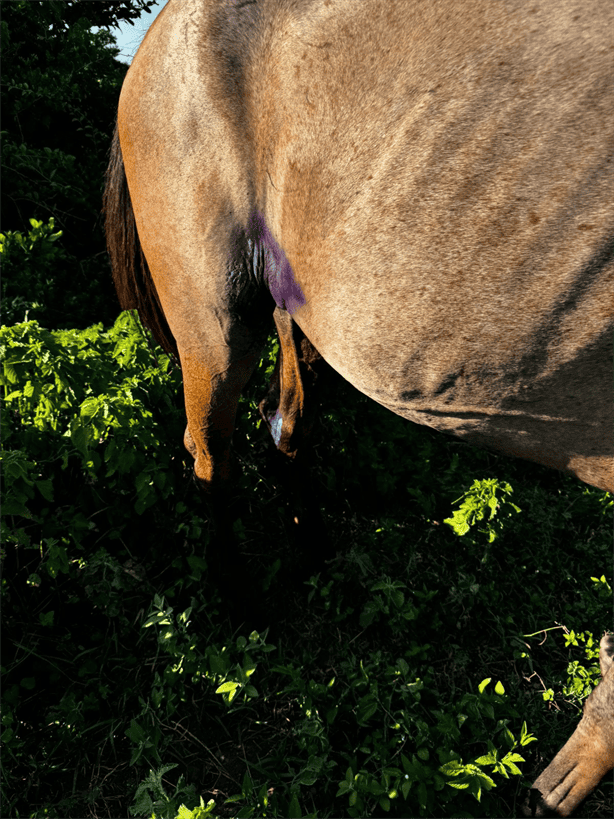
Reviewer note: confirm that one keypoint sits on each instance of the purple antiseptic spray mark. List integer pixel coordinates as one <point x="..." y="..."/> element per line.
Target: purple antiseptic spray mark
<point x="278" y="274"/>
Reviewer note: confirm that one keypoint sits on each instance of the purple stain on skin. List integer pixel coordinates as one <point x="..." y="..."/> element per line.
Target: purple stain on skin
<point x="278" y="274"/>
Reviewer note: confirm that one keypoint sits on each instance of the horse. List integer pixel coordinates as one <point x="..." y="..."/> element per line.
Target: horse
<point x="587" y="755"/>
<point x="419" y="193"/>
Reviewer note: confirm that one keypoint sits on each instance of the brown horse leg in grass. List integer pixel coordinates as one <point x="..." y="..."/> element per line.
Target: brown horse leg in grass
<point x="289" y="410"/>
<point x="587" y="756"/>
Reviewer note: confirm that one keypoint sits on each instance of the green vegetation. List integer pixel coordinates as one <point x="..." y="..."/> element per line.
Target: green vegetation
<point x="433" y="669"/>
<point x="399" y="682"/>
<point x="60" y="85"/>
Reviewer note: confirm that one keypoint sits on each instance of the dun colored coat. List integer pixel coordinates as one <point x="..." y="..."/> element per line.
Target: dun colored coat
<point x="420" y="190"/>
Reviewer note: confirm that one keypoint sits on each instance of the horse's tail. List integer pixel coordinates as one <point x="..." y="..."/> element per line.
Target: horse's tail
<point x="133" y="283"/>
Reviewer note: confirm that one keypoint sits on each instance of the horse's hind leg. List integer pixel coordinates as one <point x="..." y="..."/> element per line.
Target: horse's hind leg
<point x="289" y="409"/>
<point x="587" y="756"/>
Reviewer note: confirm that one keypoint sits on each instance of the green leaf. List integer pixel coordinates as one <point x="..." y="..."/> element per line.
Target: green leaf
<point x="80" y="437"/>
<point x="45" y="487"/>
<point x="14" y="506"/>
<point x="422" y="796"/>
<point x="89" y="407"/>
<point x="46" y="619"/>
<point x="135" y="732"/>
<point x="227" y="687"/>
<point x="483" y="684"/>
<point x="294" y="809"/>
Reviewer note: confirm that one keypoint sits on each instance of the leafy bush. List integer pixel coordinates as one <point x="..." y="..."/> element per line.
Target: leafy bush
<point x="41" y="281"/>
<point x="394" y="712"/>
<point x="406" y="680"/>
<point x="59" y="104"/>
<point x="28" y="262"/>
<point x="482" y="495"/>
<point x="89" y="402"/>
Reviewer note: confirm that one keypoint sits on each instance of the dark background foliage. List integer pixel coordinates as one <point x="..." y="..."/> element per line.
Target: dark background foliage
<point x="60" y="85"/>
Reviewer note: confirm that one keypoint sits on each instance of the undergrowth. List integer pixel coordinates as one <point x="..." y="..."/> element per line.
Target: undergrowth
<point x="433" y="669"/>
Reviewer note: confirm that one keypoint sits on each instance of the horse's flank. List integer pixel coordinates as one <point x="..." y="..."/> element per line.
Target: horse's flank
<point x="424" y="189"/>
